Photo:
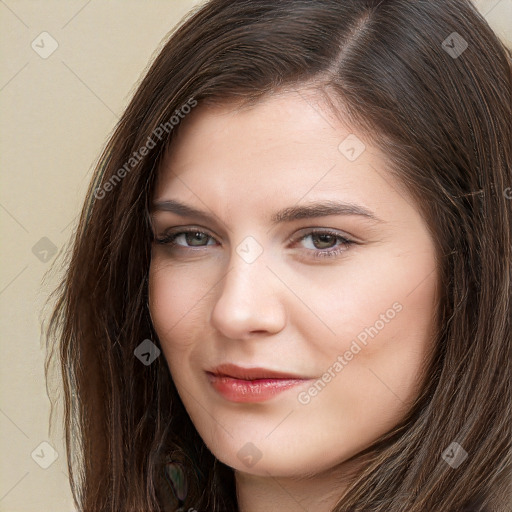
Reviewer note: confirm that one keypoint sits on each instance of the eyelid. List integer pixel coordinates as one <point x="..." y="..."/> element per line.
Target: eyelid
<point x="185" y="229"/>
<point x="301" y="233"/>
<point x="174" y="232"/>
<point x="345" y="241"/>
<point x="292" y="238"/>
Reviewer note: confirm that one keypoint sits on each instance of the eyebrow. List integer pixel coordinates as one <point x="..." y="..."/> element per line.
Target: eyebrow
<point x="290" y="214"/>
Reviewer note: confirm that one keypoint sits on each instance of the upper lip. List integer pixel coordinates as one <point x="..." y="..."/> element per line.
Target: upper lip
<point x="239" y="372"/>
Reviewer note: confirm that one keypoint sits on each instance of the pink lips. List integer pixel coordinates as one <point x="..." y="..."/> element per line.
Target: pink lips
<point x="239" y="384"/>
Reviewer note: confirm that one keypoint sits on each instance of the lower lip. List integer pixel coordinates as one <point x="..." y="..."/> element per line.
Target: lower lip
<point x="258" y="390"/>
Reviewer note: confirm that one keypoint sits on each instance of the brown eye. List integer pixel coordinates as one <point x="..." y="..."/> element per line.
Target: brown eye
<point x="325" y="240"/>
<point x="326" y="244"/>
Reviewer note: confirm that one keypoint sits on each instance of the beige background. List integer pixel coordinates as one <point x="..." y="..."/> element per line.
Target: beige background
<point x="57" y="113"/>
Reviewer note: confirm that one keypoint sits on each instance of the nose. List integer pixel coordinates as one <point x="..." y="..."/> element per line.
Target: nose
<point x="249" y="301"/>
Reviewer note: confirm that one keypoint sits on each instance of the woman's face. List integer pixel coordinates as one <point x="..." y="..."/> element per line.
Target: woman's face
<point x="297" y="314"/>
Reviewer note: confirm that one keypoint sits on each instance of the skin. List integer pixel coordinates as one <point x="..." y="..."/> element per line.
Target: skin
<point x="287" y="310"/>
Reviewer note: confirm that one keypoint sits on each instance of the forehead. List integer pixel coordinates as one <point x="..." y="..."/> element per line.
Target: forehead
<point x="287" y="148"/>
<point x="287" y="133"/>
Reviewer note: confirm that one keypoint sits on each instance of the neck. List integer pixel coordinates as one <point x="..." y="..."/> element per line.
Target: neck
<point x="319" y="492"/>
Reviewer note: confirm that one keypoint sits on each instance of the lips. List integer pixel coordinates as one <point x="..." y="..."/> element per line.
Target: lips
<point x="238" y="384"/>
<point x="238" y="372"/>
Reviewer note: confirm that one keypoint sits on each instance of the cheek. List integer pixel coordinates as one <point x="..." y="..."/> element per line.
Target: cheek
<point x="172" y="304"/>
<point x="376" y="296"/>
<point x="382" y="314"/>
<point x="176" y="295"/>
<point x="373" y="374"/>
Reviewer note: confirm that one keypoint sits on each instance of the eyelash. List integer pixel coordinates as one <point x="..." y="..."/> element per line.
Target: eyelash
<point x="345" y="242"/>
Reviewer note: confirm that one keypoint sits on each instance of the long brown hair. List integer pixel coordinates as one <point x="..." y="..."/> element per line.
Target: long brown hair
<point x="430" y="84"/>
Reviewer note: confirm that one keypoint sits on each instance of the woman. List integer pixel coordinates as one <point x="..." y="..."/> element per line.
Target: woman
<point x="290" y="285"/>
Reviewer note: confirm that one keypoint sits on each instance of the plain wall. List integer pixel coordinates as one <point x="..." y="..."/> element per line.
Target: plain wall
<point x="57" y="113"/>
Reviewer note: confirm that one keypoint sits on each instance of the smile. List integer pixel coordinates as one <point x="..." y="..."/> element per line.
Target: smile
<point x="238" y="384"/>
